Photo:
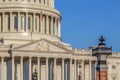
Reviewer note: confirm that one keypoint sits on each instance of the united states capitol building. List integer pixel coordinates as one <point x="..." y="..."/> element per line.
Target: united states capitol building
<point x="31" y="47"/>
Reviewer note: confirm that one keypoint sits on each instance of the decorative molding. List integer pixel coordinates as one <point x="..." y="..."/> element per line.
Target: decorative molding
<point x="42" y="46"/>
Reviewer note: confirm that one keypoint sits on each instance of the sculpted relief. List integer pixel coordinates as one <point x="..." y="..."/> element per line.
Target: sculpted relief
<point x="42" y="46"/>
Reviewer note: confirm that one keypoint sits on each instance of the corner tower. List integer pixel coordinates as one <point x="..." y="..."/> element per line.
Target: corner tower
<point x="26" y="20"/>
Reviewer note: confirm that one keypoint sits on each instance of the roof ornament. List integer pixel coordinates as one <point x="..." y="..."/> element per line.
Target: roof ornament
<point x="101" y="44"/>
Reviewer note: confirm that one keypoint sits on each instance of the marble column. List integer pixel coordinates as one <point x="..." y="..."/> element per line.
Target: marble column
<point x="43" y="24"/>
<point x="51" y="22"/>
<point x="38" y="63"/>
<point x="55" y="27"/>
<point x="2" y="68"/>
<point x="26" y="21"/>
<point x="42" y="2"/>
<point x="19" y="22"/>
<point x="55" y="68"/>
<point x="74" y="69"/>
<point x="46" y="2"/>
<point x="83" y="69"/>
<point x="3" y="21"/>
<point x="34" y="22"/>
<point x="46" y="68"/>
<point x="90" y="69"/>
<point x="47" y="24"/>
<point x="13" y="69"/>
<point x="38" y="24"/>
<point x="21" y="65"/>
<point x="63" y="69"/>
<point x="30" y="74"/>
<point x="0" y="22"/>
<point x="95" y="69"/>
<point x="11" y="22"/>
<point x="70" y="69"/>
<point x="59" y="29"/>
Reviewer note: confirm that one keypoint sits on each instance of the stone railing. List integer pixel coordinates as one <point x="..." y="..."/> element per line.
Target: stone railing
<point x="82" y="51"/>
<point x="116" y="53"/>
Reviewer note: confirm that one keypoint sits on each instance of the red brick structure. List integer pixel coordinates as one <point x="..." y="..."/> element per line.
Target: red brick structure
<point x="101" y="75"/>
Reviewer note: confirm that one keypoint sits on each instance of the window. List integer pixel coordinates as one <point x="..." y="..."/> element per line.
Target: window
<point x="53" y="26"/>
<point x="45" y="25"/>
<point x="8" y="23"/>
<point x="39" y="24"/>
<point x="39" y="1"/>
<point x="29" y="23"/>
<point x="35" y="23"/>
<point x="44" y="1"/>
<point x="113" y="67"/>
<point x="16" y="23"/>
<point x="48" y="2"/>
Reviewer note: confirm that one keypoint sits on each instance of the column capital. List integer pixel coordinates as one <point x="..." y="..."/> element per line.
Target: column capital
<point x="21" y="57"/>
<point x="55" y="58"/>
<point x="38" y="57"/>
<point x="46" y="57"/>
<point x="63" y="58"/>
<point x="13" y="57"/>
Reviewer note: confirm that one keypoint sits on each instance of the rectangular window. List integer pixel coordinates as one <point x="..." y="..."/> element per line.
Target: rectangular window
<point x="45" y="24"/>
<point x="39" y="1"/>
<point x="44" y="1"/>
<point x="35" y="23"/>
<point x="16" y="23"/>
<point x="8" y="23"/>
<point x="29" y="23"/>
<point x="39" y="24"/>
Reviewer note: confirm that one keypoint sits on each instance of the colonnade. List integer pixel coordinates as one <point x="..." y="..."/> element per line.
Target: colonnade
<point x="66" y="64"/>
<point x="49" y="3"/>
<point x="29" y="22"/>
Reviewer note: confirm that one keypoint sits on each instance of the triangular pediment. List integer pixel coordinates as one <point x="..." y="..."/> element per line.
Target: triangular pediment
<point x="42" y="45"/>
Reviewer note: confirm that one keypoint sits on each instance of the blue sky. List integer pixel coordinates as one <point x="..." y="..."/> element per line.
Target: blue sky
<point x="84" y="21"/>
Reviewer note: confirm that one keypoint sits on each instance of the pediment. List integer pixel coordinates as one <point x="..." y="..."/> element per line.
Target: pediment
<point x="42" y="46"/>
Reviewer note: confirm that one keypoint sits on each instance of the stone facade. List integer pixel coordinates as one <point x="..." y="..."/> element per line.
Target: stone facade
<point x="30" y="43"/>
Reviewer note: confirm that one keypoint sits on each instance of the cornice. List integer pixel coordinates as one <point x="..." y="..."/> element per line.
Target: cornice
<point x="28" y="7"/>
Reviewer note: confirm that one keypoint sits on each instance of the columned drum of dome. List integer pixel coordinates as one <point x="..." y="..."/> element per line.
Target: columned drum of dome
<point x="29" y="16"/>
